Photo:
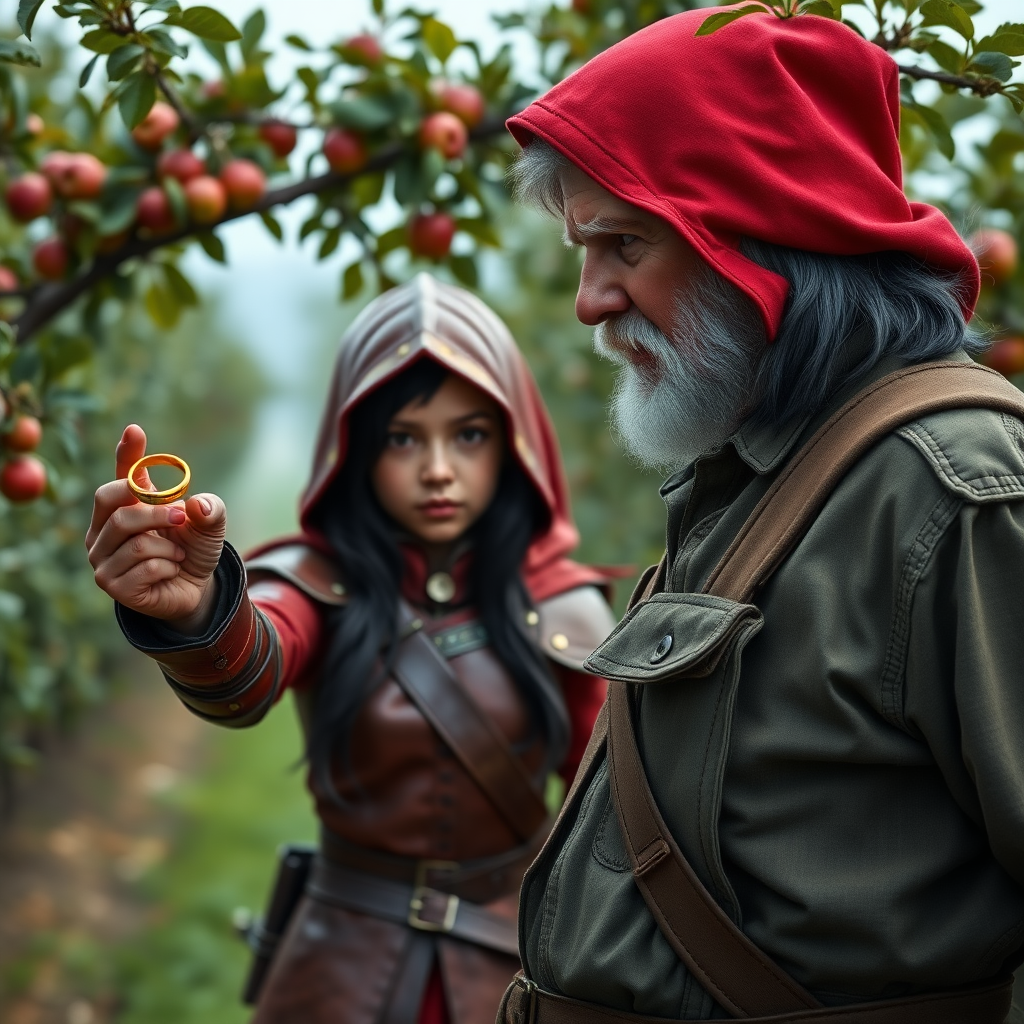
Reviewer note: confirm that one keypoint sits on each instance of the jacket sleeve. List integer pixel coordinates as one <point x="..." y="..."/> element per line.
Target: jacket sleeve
<point x="261" y="641"/>
<point x="963" y="687"/>
<point x="584" y="694"/>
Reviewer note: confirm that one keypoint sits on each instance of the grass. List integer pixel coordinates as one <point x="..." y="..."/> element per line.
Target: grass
<point x="188" y="968"/>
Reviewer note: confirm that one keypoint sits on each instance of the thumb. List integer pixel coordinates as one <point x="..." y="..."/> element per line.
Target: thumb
<point x="207" y="514"/>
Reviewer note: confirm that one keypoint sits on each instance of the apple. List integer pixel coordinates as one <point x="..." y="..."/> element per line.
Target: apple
<point x="345" y="151"/>
<point x="154" y="211"/>
<point x="207" y="199"/>
<point x="245" y="183"/>
<point x="8" y="281"/>
<point x="362" y="49"/>
<point x="280" y="137"/>
<point x="53" y="165"/>
<point x="50" y="258"/>
<point x="181" y="164"/>
<point x="581" y="6"/>
<point x="1006" y="356"/>
<point x="444" y="132"/>
<point x="465" y="101"/>
<point x="213" y="89"/>
<point x="29" y="196"/>
<point x="24" y="435"/>
<point x="151" y="131"/>
<point x="75" y="175"/>
<point x="23" y="478"/>
<point x="430" y="234"/>
<point x="997" y="253"/>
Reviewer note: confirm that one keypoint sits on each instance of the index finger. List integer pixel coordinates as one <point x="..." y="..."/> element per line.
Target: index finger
<point x="130" y="449"/>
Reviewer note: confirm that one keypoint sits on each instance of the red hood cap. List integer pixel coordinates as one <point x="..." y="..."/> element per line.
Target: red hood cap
<point x="780" y="130"/>
<point x="428" y="319"/>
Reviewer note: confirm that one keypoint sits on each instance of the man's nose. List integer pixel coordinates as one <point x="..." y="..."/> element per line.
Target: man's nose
<point x="438" y="466"/>
<point x="601" y="293"/>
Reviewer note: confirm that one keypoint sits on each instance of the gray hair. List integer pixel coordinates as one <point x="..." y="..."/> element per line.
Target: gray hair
<point x="843" y="313"/>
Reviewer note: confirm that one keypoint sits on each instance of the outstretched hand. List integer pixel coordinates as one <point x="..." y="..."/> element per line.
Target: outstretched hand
<point x="156" y="559"/>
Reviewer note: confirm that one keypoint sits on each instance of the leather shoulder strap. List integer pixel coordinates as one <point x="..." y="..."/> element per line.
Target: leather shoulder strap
<point x="741" y="978"/>
<point x="304" y="567"/>
<point x="428" y="681"/>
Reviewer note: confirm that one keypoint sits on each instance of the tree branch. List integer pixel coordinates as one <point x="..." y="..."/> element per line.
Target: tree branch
<point x="50" y="299"/>
<point x="981" y="86"/>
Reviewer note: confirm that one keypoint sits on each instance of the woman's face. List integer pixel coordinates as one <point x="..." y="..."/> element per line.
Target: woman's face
<point x="441" y="461"/>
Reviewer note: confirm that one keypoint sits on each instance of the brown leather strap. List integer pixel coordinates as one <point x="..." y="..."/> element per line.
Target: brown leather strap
<point x="810" y="476"/>
<point x="420" y="906"/>
<point x="740" y="977"/>
<point x="410" y="982"/>
<point x="987" y="1003"/>
<point x="429" y="682"/>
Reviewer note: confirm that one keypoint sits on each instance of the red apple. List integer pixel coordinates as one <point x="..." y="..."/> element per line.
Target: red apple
<point x="345" y="151"/>
<point x="280" y="137"/>
<point x="182" y="164"/>
<point x="8" y="280"/>
<point x="29" y="196"/>
<point x="154" y="211"/>
<point x="207" y="199"/>
<point x="444" y="132"/>
<point x="581" y="6"/>
<point x="362" y="49"/>
<point x="24" y="435"/>
<point x="997" y="253"/>
<point x="75" y="175"/>
<point x="430" y="234"/>
<point x="23" y="478"/>
<point x="213" y="89"/>
<point x="53" y="165"/>
<point x="151" y="131"/>
<point x="245" y="183"/>
<point x="50" y="258"/>
<point x="465" y="101"/>
<point x="1006" y="356"/>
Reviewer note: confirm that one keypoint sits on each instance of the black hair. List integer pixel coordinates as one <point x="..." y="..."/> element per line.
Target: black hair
<point x="362" y="637"/>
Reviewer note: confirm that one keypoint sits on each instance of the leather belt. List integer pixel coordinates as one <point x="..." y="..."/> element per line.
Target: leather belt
<point x="418" y="905"/>
<point x="984" y="1003"/>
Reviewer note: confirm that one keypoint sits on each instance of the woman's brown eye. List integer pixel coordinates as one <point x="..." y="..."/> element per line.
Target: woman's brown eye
<point x="397" y="440"/>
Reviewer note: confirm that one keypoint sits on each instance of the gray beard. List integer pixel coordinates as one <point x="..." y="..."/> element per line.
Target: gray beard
<point x="696" y="398"/>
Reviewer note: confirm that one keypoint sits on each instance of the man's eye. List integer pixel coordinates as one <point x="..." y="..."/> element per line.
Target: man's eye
<point x="628" y="240"/>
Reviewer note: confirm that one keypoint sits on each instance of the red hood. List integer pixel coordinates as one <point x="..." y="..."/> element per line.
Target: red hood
<point x="781" y="130"/>
<point x="426" y="318"/>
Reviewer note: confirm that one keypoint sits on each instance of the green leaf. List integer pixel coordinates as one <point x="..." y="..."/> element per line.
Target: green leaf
<point x="118" y="210"/>
<point x="352" y="281"/>
<point x="936" y="124"/>
<point x="1011" y="43"/>
<point x="102" y="40"/>
<point x="84" y="77"/>
<point x="65" y="351"/>
<point x="212" y="246"/>
<point x="120" y="62"/>
<point x="717" y="21"/>
<point x="180" y="286"/>
<point x="997" y="65"/>
<point x="947" y="57"/>
<point x="439" y="38"/>
<point x="482" y="230"/>
<point x="219" y="53"/>
<point x="17" y="51"/>
<point x="364" y="114"/>
<point x="464" y="269"/>
<point x="162" y="306"/>
<point x="824" y="8"/>
<point x="952" y="15"/>
<point x="167" y="6"/>
<point x="136" y="98"/>
<point x="971" y="6"/>
<point x="393" y="239"/>
<point x="273" y="225"/>
<point x="298" y="43"/>
<point x="27" y="11"/>
<point x="332" y="236"/>
<point x="164" y="42"/>
<point x="206" y="23"/>
<point x="311" y="80"/>
<point x="378" y="8"/>
<point x="176" y="196"/>
<point x="252" y="31"/>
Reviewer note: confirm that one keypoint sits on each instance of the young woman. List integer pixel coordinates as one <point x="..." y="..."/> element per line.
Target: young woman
<point x="432" y="629"/>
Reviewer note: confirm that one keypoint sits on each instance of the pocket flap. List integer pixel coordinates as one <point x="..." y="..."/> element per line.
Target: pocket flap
<point x="671" y="635"/>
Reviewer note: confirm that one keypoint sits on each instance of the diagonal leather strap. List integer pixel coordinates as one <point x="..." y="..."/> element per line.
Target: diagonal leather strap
<point x="429" y="682"/>
<point x="740" y="977"/>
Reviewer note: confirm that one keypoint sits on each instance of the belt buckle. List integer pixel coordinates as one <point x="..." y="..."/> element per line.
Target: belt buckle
<point x="421" y="892"/>
<point x="529" y="987"/>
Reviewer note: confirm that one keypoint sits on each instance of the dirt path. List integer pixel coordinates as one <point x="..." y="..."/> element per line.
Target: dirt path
<point x="87" y="826"/>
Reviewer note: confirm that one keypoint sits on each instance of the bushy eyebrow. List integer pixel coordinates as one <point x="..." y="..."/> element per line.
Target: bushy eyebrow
<point x="577" y="234"/>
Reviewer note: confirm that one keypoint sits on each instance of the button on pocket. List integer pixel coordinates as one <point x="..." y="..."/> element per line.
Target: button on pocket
<point x="662" y="649"/>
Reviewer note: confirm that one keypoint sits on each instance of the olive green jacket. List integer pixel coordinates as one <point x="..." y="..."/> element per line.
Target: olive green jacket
<point x="849" y="781"/>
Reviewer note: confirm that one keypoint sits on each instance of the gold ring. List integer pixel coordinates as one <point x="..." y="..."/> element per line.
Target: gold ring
<point x="160" y="497"/>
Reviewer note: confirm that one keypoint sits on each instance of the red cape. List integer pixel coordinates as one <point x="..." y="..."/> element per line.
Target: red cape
<point x="780" y="130"/>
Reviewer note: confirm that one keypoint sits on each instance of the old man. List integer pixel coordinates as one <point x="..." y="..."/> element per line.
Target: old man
<point x="814" y="805"/>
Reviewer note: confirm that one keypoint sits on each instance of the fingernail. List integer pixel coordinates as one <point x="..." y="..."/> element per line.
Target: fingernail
<point x="176" y="516"/>
<point x="205" y="506"/>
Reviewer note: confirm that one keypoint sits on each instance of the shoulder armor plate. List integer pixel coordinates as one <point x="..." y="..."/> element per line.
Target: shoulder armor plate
<point x="572" y="624"/>
<point x="313" y="573"/>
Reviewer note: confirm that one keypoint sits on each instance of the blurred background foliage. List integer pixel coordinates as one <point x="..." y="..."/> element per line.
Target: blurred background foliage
<point x="131" y="327"/>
